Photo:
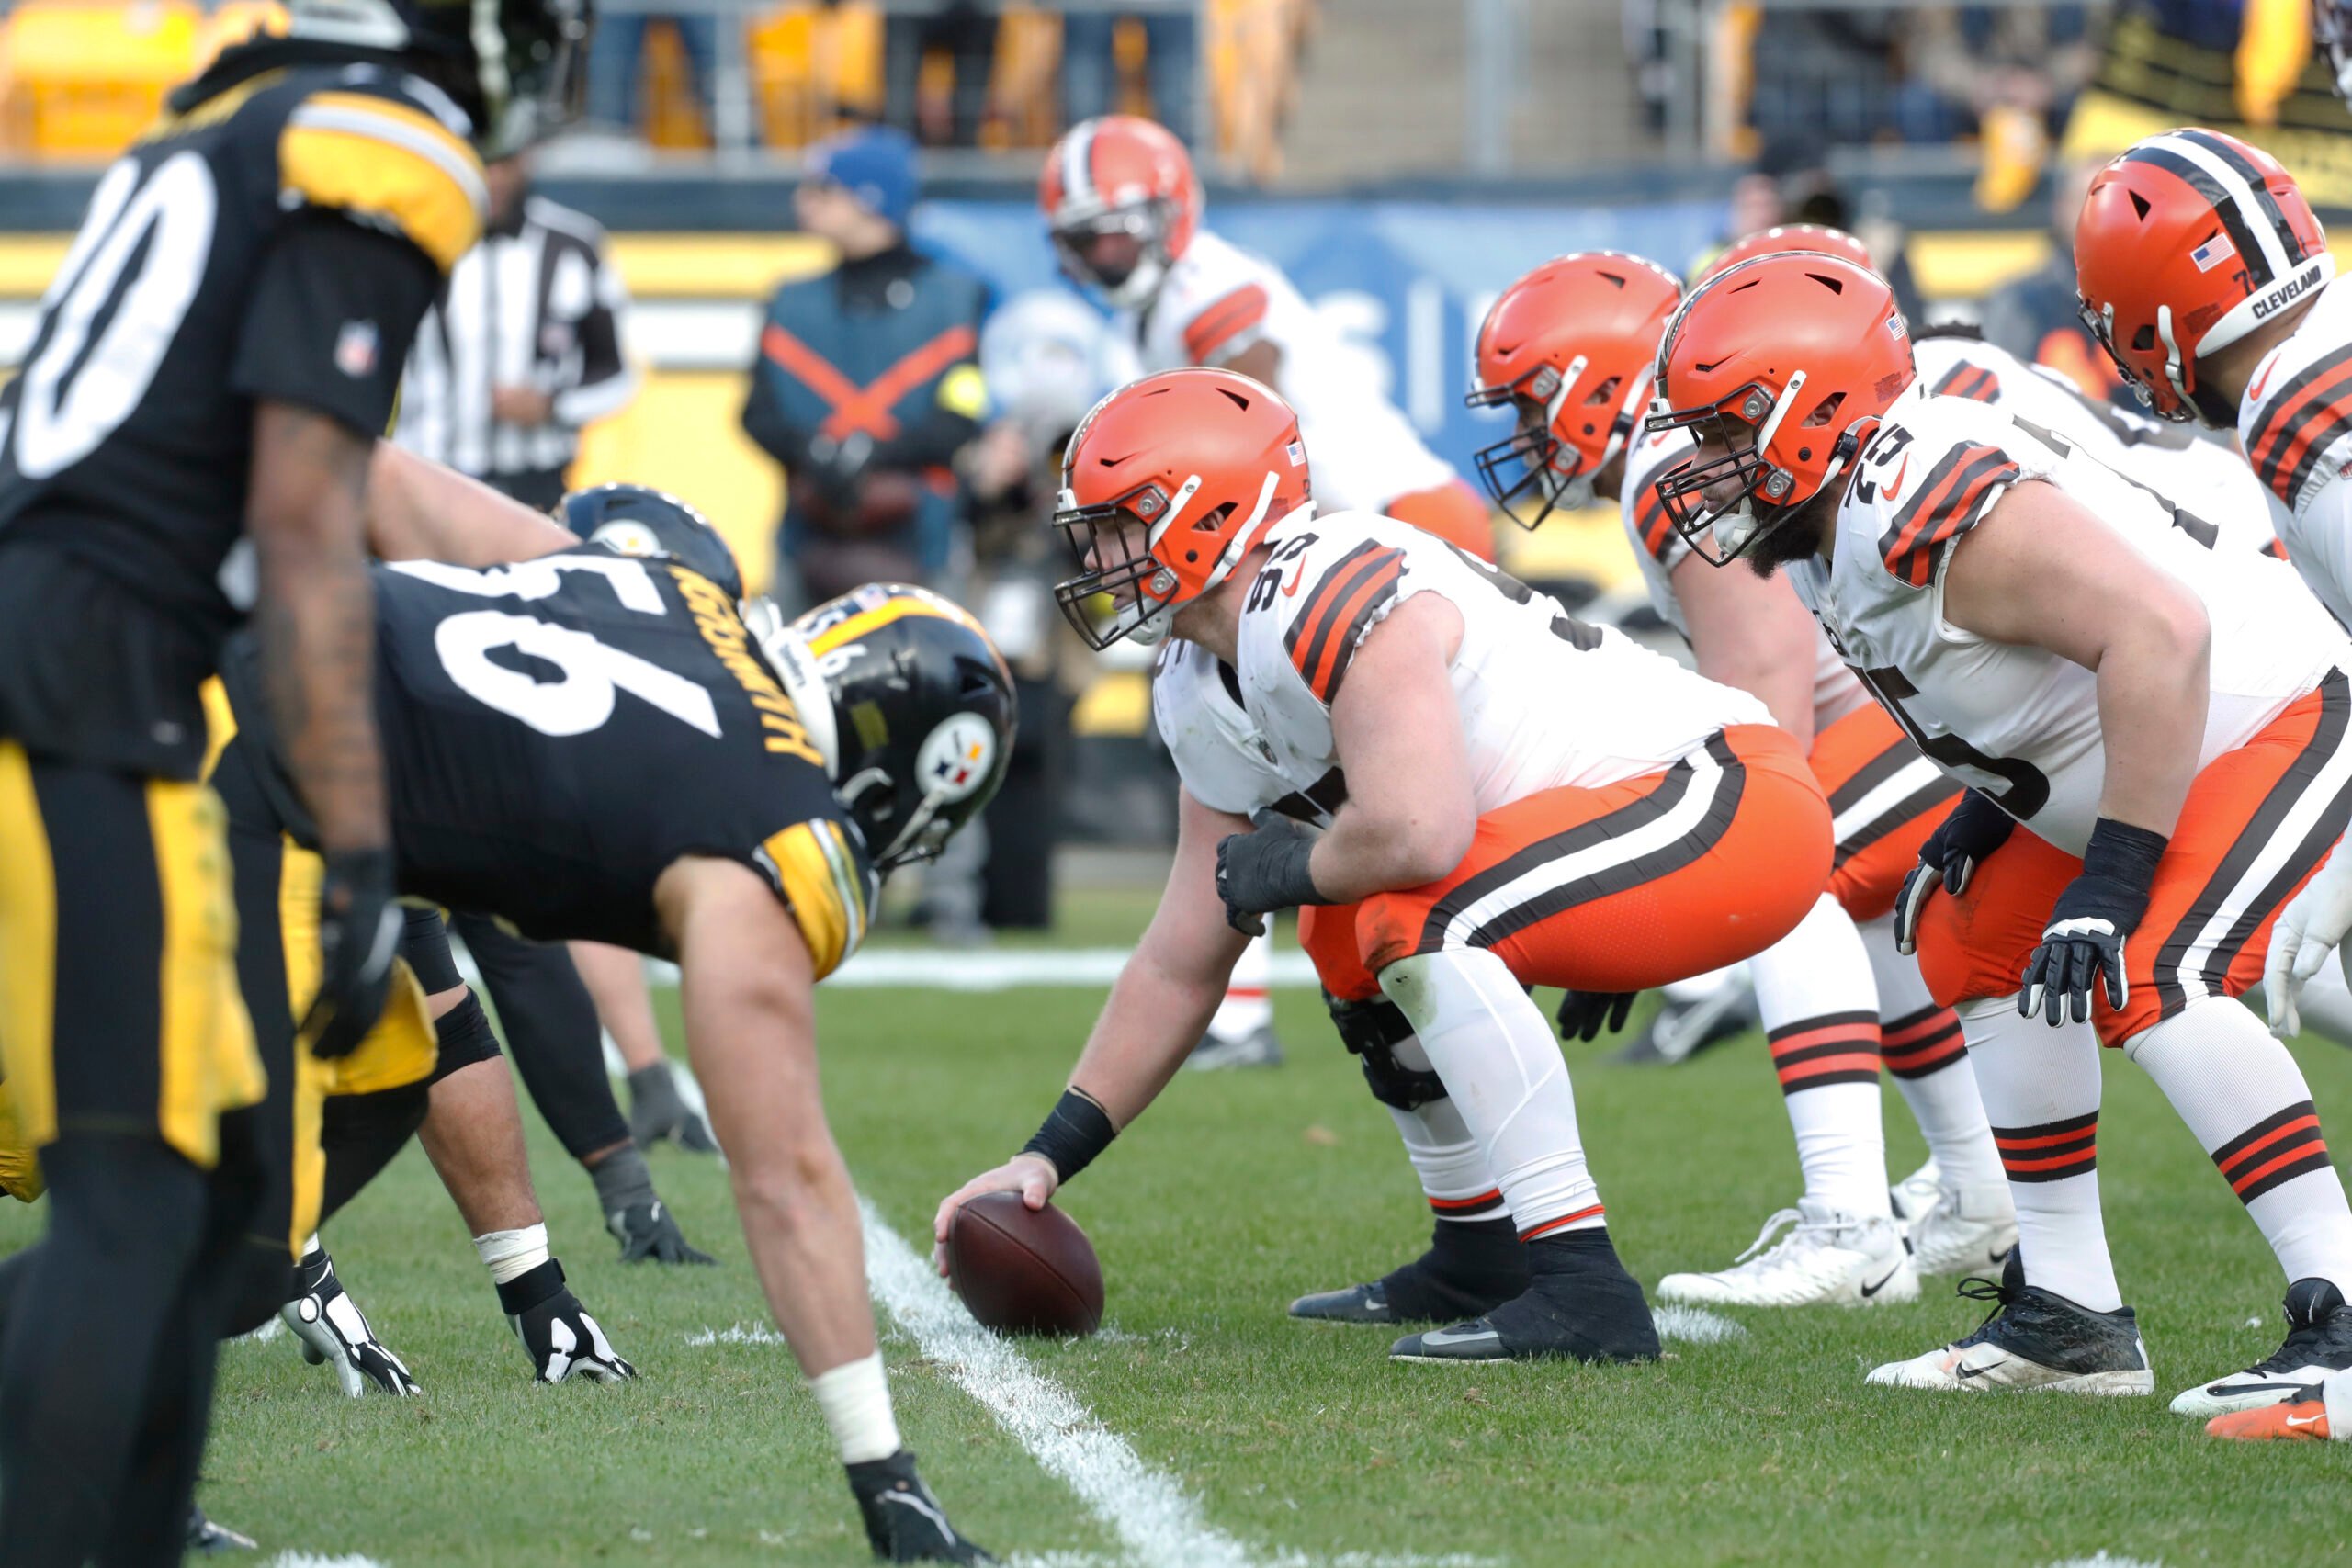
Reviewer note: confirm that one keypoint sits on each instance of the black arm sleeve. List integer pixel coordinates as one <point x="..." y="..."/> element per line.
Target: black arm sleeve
<point x="331" y="319"/>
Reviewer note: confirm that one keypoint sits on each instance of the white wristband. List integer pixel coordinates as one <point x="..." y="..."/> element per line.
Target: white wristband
<point x="855" y="1398"/>
<point x="510" y="1255"/>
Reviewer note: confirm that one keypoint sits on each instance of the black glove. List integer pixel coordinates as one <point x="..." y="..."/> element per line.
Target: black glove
<point x="1967" y="836"/>
<point x="561" y="1339"/>
<point x="330" y="1328"/>
<point x="903" y="1521"/>
<point x="1586" y="1015"/>
<point x="1259" y="872"/>
<point x="649" y="1230"/>
<point x="359" y="935"/>
<point x="2084" y="941"/>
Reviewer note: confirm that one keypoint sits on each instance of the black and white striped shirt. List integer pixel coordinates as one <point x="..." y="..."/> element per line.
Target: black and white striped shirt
<point x="536" y="304"/>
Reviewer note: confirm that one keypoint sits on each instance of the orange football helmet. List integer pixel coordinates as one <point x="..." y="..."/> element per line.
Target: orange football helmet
<point x="1165" y="487"/>
<point x="1782" y="238"/>
<point x="1788" y="362"/>
<point x="1122" y="202"/>
<point x="1570" y="347"/>
<point x="2184" y="244"/>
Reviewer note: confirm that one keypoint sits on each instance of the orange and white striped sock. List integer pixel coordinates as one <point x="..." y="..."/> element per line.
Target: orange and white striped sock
<point x="2041" y="1088"/>
<point x="1819" y="1003"/>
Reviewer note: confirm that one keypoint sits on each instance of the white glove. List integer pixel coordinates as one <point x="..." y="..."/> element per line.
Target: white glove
<point x="2311" y="926"/>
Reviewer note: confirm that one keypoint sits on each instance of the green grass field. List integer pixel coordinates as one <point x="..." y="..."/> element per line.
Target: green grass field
<point x="1301" y="1442"/>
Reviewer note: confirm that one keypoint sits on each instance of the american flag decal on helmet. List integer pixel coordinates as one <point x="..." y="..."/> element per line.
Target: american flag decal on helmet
<point x="2212" y="252"/>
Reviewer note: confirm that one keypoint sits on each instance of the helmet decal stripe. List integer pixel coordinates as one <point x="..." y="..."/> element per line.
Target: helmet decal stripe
<point x="2265" y="204"/>
<point x="2220" y="187"/>
<point x="1078" y="168"/>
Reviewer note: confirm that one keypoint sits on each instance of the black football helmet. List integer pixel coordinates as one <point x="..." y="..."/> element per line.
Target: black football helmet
<point x="632" y="520"/>
<point x="517" y="68"/>
<point x="911" y="704"/>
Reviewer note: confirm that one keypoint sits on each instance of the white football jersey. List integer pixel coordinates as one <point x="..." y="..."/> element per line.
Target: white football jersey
<point x="1217" y="301"/>
<point x="2018" y="721"/>
<point x="2205" y="477"/>
<point x="1545" y="699"/>
<point x="2295" y="423"/>
<point x="1659" y="548"/>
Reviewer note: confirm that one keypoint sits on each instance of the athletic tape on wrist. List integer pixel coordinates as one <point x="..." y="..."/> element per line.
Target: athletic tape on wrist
<point x="510" y="1255"/>
<point x="1078" y="1130"/>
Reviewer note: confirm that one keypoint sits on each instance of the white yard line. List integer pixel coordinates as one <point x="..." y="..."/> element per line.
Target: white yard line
<point x="1156" y="1520"/>
<point x="314" y="1559"/>
<point x="2106" y="1560"/>
<point x="1695" y="1325"/>
<point x="1002" y="969"/>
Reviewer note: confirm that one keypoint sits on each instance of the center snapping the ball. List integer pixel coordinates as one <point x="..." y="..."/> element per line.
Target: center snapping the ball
<point x="1024" y="1270"/>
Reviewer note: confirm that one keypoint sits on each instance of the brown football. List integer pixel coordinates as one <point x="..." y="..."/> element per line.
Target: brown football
<point x="1024" y="1270"/>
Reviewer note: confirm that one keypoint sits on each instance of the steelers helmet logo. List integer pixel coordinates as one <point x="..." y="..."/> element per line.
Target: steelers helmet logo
<point x="957" y="757"/>
<point x="629" y="537"/>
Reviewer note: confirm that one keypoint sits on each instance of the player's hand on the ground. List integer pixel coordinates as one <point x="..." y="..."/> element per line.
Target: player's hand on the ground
<point x="2311" y="926"/>
<point x="1261" y="871"/>
<point x="1969" y="833"/>
<point x="1586" y="1015"/>
<point x="1032" y="1176"/>
<point x="564" y="1342"/>
<point x="359" y="934"/>
<point x="904" y="1522"/>
<point x="330" y="1328"/>
<point x="650" y="1231"/>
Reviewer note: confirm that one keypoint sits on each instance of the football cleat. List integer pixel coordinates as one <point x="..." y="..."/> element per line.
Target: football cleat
<point x="1916" y="1193"/>
<point x="331" y="1329"/>
<point x="206" y="1539"/>
<point x="2319" y="1341"/>
<point x="1964" y="1231"/>
<point x="904" y="1523"/>
<point x="649" y="1230"/>
<point x="1680" y="1030"/>
<point x="2311" y="1414"/>
<point x="2034" y="1339"/>
<point x="1580" y="1305"/>
<point x="1831" y="1257"/>
<point x="1258" y="1048"/>
<point x="1469" y="1269"/>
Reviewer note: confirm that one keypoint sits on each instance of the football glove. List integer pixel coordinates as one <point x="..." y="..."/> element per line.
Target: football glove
<point x="1259" y="872"/>
<point x="2311" y="926"/>
<point x="330" y="1328"/>
<point x="359" y="934"/>
<point x="1586" y="1015"/>
<point x="904" y="1523"/>
<point x="1968" y="835"/>
<point x="2083" y="944"/>
<point x="649" y="1230"/>
<point x="561" y="1339"/>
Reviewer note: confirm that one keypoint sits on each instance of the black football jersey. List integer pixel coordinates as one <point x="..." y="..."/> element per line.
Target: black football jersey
<point x="277" y="234"/>
<point x="557" y="732"/>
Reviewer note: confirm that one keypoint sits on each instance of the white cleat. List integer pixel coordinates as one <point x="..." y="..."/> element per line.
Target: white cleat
<point x="1832" y="1256"/>
<point x="1964" y="1231"/>
<point x="2319" y="1341"/>
<point x="1912" y="1197"/>
<point x="2034" y="1339"/>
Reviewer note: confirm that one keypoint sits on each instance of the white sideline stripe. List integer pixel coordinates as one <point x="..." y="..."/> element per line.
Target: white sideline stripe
<point x="2106" y="1560"/>
<point x="738" y="1333"/>
<point x="314" y="1559"/>
<point x="923" y="968"/>
<point x="1154" y="1519"/>
<point x="1695" y="1325"/>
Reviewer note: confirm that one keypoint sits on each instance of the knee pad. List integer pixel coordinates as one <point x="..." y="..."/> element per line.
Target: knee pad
<point x="1372" y="1030"/>
<point x="465" y="1037"/>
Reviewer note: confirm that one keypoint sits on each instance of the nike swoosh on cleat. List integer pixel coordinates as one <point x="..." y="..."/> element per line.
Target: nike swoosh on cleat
<point x="2226" y="1391"/>
<point x="1965" y="1372"/>
<point x="1869" y="1290"/>
<point x="2305" y="1420"/>
<point x="1439" y="1339"/>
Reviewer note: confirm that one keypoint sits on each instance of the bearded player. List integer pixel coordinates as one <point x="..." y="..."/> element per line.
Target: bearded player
<point x="2154" y="734"/>
<point x="1509" y="796"/>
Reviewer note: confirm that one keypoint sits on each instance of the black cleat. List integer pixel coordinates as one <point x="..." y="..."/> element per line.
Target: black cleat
<point x="2319" y="1341"/>
<point x="1470" y="1269"/>
<point x="2033" y="1339"/>
<point x="1580" y="1305"/>
<point x="904" y="1523"/>
<point x="649" y="1230"/>
<point x="1258" y="1048"/>
<point x="209" y="1539"/>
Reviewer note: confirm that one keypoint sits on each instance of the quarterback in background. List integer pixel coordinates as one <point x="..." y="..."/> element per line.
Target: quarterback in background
<point x="1508" y="796"/>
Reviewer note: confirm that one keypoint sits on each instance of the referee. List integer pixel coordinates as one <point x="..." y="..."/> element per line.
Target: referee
<point x="522" y="350"/>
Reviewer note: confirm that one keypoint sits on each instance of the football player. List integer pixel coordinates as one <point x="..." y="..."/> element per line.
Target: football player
<point x="1570" y="347"/>
<point x="1123" y="206"/>
<point x="187" y="443"/>
<point x="2206" y="274"/>
<point x="2157" y="737"/>
<point x="792" y="767"/>
<point x="1510" y="797"/>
